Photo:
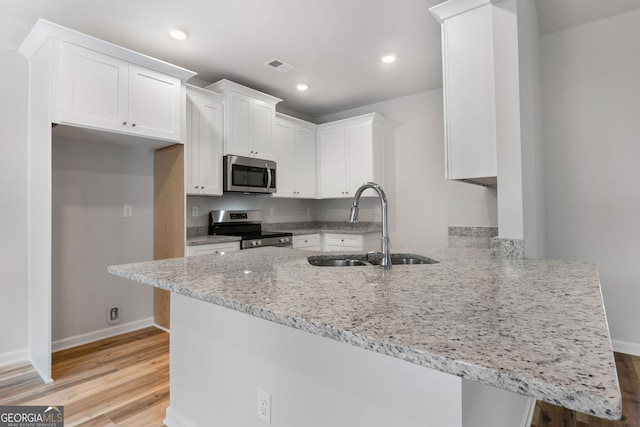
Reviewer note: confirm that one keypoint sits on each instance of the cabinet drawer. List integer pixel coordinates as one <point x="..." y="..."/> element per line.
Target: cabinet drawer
<point x="308" y="241"/>
<point x="215" y="248"/>
<point x="343" y="240"/>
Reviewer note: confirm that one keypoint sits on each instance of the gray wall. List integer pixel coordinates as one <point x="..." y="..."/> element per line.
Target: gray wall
<point x="422" y="202"/>
<point x="91" y="184"/>
<point x="591" y="104"/>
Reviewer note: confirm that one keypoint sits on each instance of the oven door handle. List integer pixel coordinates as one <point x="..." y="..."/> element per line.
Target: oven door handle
<point x="266" y="165"/>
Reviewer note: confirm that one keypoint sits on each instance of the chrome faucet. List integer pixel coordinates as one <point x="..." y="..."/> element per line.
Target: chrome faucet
<point x="385" y="262"/>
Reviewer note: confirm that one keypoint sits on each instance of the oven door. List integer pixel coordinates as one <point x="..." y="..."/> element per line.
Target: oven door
<point x="248" y="175"/>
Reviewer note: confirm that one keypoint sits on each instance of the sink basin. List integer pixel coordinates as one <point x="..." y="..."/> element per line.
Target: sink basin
<point x="338" y="262"/>
<point x="359" y="260"/>
<point x="407" y="259"/>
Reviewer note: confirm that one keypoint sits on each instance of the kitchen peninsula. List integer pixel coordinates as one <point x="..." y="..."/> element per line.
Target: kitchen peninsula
<point x="331" y="345"/>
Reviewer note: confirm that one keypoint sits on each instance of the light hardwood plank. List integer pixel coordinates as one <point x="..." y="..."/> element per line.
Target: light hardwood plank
<point x="118" y="381"/>
<point x="548" y="415"/>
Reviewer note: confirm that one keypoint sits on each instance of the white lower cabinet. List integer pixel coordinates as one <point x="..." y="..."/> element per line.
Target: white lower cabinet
<point x="310" y="242"/>
<point x="214" y="248"/>
<point x="351" y="242"/>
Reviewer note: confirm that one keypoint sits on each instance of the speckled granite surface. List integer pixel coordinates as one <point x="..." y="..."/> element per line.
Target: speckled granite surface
<point x="507" y="248"/>
<point x="208" y="240"/>
<point x="535" y="327"/>
<point x="471" y="237"/>
<point x="334" y="227"/>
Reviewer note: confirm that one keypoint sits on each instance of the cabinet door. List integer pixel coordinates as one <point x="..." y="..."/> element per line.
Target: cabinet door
<point x="238" y="112"/>
<point x="305" y="162"/>
<point x="191" y="147"/>
<point x="332" y="163"/>
<point x="210" y="147"/>
<point x="283" y="150"/>
<point x="469" y="92"/>
<point x="309" y="242"/>
<point x="359" y="145"/>
<point x="154" y="104"/>
<point x="216" y="248"/>
<point x="203" y="173"/>
<point x="93" y="89"/>
<point x="262" y="119"/>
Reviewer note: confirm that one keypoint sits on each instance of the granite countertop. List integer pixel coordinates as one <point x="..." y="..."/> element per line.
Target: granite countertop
<point x="534" y="327"/>
<point x="198" y="235"/>
<point x="333" y="227"/>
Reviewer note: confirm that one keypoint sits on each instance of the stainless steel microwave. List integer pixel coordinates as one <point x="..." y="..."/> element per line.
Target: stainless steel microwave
<point x="248" y="175"/>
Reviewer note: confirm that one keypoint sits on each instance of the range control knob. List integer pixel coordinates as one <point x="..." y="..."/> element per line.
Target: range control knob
<point x="284" y="240"/>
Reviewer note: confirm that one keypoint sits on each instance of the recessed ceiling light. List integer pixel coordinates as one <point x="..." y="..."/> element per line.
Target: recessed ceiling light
<point x="302" y="87"/>
<point x="178" y="34"/>
<point x="388" y="58"/>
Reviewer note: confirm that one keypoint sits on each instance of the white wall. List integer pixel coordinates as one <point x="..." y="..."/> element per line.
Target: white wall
<point x="419" y="195"/>
<point x="13" y="204"/>
<point x="91" y="184"/>
<point x="591" y="101"/>
<point x="531" y="130"/>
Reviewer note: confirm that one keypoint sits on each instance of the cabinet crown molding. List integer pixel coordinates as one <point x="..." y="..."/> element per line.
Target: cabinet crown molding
<point x="224" y="86"/>
<point x="44" y="30"/>
<point x="197" y="90"/>
<point x="374" y="117"/>
<point x="451" y="8"/>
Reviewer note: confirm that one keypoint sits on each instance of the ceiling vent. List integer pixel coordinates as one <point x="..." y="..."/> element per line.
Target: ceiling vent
<point x="279" y="65"/>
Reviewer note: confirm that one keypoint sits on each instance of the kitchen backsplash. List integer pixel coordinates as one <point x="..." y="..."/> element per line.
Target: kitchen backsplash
<point x="276" y="210"/>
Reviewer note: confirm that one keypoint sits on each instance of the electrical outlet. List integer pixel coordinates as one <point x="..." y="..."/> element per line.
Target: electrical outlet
<point x="194" y="211"/>
<point x="113" y="315"/>
<point x="264" y="406"/>
<point x="128" y="211"/>
<point x="272" y="211"/>
<point x="376" y="210"/>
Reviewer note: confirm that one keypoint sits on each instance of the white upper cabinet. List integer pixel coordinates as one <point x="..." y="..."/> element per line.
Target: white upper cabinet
<point x="350" y="153"/>
<point x="203" y="144"/>
<point x="469" y="81"/>
<point x="249" y="120"/>
<point x="294" y="144"/>
<point x="102" y="92"/>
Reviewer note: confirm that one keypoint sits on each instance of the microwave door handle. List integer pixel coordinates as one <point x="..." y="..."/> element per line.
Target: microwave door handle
<point x="268" y="176"/>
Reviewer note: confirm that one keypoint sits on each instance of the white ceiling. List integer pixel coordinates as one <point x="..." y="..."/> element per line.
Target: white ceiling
<point x="334" y="45"/>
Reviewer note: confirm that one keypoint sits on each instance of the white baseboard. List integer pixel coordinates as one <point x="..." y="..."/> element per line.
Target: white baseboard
<point x="626" y="347"/>
<point x="175" y="419"/>
<point x="527" y="417"/>
<point x="13" y="357"/>
<point x="101" y="334"/>
<point x="162" y="328"/>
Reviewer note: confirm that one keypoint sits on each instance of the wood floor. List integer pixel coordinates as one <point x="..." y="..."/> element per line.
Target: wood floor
<point x="119" y="381"/>
<point x="548" y="415"/>
<point x="124" y="381"/>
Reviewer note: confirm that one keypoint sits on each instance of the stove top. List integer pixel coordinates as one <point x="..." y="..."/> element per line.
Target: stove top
<point x="247" y="226"/>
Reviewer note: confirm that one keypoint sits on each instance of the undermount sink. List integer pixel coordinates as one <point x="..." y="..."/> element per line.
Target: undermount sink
<point x="342" y="262"/>
<point x="360" y="260"/>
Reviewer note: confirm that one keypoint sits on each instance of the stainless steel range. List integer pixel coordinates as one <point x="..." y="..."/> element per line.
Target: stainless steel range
<point x="248" y="226"/>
